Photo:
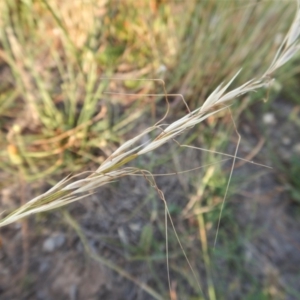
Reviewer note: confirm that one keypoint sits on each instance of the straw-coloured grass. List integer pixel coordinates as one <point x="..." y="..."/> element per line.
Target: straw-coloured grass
<point x="111" y="169"/>
<point x="51" y="97"/>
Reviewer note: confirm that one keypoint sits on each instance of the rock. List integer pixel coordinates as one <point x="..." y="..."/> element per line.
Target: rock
<point x="296" y="149"/>
<point x="54" y="242"/>
<point x="135" y="227"/>
<point x="269" y="118"/>
<point x="286" y="141"/>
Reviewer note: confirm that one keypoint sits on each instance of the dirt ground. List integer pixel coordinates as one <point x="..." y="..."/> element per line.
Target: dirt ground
<point x="45" y="258"/>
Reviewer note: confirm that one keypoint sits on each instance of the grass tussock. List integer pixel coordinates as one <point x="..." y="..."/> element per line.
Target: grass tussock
<point x="54" y="116"/>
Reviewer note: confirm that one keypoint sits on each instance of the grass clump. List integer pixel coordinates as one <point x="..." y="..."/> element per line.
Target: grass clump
<point x="54" y="84"/>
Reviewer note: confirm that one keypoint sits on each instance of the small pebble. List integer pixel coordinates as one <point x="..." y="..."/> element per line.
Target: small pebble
<point x="296" y="149"/>
<point x="53" y="242"/>
<point x="122" y="235"/>
<point x="73" y="292"/>
<point x="161" y="69"/>
<point x="269" y="119"/>
<point x="286" y="141"/>
<point x="135" y="227"/>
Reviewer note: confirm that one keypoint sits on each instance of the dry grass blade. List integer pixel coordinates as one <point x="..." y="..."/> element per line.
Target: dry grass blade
<point x="65" y="192"/>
